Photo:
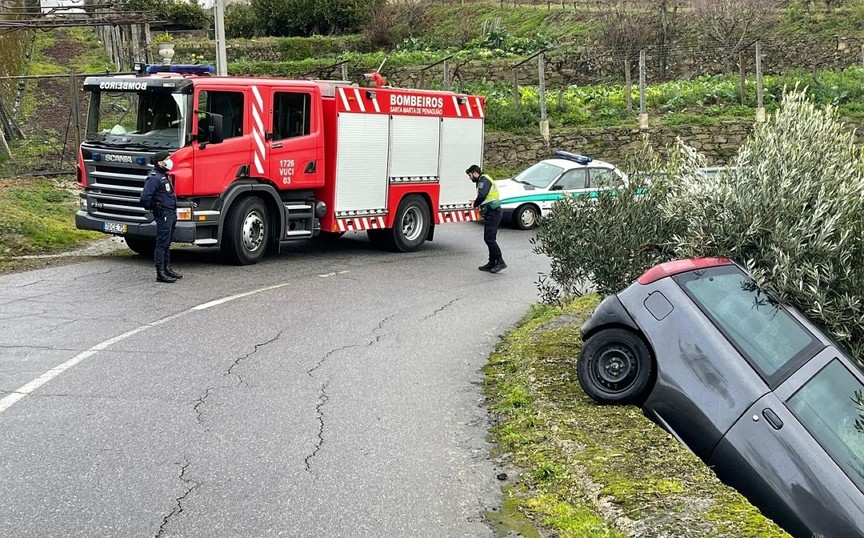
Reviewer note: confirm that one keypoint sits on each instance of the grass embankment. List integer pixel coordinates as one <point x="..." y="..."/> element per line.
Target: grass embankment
<point x="589" y="470"/>
<point x="37" y="216"/>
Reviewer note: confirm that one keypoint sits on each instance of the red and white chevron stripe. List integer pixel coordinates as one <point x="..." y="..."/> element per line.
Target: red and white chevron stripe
<point x="462" y="215"/>
<point x="260" y="156"/>
<point x="360" y="223"/>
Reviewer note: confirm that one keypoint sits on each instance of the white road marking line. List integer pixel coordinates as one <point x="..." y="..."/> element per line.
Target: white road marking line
<point x="10" y="400"/>
<point x="327" y="275"/>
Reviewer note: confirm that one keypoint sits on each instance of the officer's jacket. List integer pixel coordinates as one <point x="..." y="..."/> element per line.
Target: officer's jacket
<point x="158" y="194"/>
<point x="487" y="194"/>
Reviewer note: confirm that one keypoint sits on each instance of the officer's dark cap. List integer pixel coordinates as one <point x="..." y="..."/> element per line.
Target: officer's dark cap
<point x="160" y="156"/>
<point x="473" y="168"/>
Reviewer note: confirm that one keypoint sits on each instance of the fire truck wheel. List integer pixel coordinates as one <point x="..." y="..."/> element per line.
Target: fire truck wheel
<point x="244" y="237"/>
<point x="411" y="225"/>
<point x="138" y="245"/>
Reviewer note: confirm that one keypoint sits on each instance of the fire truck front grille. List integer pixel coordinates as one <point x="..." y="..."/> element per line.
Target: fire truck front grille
<point x="114" y="191"/>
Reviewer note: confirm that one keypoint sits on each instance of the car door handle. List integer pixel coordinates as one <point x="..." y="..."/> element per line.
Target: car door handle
<point x="772" y="418"/>
<point x="277" y="145"/>
<point x="311" y="167"/>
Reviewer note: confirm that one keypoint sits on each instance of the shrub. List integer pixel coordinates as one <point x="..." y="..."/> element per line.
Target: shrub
<point x="186" y="14"/>
<point x="240" y="21"/>
<point x="790" y="211"/>
<point x="604" y="242"/>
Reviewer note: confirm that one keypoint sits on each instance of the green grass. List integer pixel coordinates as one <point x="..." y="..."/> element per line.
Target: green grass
<point x="92" y="59"/>
<point x="571" y="450"/>
<point x="37" y="216"/>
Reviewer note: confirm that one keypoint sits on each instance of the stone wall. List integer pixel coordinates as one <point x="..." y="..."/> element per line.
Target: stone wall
<point x="719" y="143"/>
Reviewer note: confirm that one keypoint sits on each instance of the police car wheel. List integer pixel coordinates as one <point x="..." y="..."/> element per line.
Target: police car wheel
<point x="246" y="231"/>
<point x="526" y="216"/>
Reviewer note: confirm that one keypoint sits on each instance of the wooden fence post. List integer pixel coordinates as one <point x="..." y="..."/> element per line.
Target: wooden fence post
<point x="643" y="114"/>
<point x="75" y="110"/>
<point x="517" y="98"/>
<point x="541" y="77"/>
<point x="760" y="106"/>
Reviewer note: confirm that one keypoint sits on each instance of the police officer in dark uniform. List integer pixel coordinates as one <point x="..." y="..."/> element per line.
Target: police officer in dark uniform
<point x="489" y="202"/>
<point x="158" y="196"/>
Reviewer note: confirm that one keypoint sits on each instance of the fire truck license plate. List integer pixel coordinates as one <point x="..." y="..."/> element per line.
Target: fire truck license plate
<point x="114" y="228"/>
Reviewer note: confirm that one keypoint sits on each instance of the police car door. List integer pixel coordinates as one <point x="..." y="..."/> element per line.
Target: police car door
<point x="571" y="183"/>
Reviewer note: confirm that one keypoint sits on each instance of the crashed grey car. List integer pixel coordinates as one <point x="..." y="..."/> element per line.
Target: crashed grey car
<point x="747" y="383"/>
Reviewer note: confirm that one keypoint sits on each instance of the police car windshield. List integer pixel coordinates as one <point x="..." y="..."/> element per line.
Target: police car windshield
<point x="148" y="119"/>
<point x="540" y="175"/>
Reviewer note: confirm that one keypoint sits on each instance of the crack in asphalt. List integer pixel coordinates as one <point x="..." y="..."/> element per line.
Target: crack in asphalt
<point x="199" y="415"/>
<point x="319" y="410"/>
<point x="178" y="509"/>
<point x="202" y="400"/>
<point x="435" y="313"/>
<point x="324" y="397"/>
<point x="45" y="348"/>
<point x="244" y="357"/>
<point x="327" y="355"/>
<point x="89" y="275"/>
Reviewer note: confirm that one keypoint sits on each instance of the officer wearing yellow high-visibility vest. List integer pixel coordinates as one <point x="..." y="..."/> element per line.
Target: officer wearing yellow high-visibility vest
<point x="489" y="203"/>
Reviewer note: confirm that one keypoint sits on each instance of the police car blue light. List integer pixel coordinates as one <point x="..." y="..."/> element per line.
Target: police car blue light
<point x="581" y="159"/>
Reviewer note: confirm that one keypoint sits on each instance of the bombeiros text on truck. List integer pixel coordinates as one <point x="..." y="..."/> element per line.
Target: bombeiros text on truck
<point x="260" y="162"/>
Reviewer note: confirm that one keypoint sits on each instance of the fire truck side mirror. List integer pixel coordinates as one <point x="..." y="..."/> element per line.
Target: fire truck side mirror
<point x="216" y="135"/>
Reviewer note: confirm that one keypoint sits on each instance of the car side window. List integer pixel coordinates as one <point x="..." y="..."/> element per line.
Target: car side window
<point x="291" y="115"/>
<point x="229" y="104"/>
<point x="572" y="179"/>
<point x="829" y="405"/>
<point x="768" y="336"/>
<point x="603" y="177"/>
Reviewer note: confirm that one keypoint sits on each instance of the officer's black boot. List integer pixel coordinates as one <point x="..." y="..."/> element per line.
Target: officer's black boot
<point x="499" y="266"/>
<point x="488" y="266"/>
<point x="162" y="276"/>
<point x="171" y="272"/>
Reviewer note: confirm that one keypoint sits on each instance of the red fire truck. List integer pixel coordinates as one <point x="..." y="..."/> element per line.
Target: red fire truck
<point x="259" y="162"/>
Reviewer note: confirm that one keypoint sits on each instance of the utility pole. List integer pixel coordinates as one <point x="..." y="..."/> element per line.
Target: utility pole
<point x="221" y="55"/>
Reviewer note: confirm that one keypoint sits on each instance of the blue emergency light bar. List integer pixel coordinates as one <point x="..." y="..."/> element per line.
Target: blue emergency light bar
<point x="182" y="69"/>
<point x="581" y="159"/>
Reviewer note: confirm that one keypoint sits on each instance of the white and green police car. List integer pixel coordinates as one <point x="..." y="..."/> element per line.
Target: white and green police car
<point x="530" y="194"/>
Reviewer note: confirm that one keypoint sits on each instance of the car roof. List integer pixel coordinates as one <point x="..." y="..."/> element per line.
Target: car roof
<point x="567" y="164"/>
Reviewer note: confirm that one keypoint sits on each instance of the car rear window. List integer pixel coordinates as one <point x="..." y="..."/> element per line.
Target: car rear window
<point x="768" y="336"/>
<point x="829" y="406"/>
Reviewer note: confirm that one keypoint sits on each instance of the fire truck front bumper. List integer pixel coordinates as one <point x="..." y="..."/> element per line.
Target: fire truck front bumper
<point x="184" y="232"/>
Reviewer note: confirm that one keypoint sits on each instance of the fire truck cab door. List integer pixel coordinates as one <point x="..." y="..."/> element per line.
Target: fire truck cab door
<point x="296" y="152"/>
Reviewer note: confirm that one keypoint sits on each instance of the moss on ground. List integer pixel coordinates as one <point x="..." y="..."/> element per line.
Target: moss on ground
<point x="37" y="216"/>
<point x="590" y="470"/>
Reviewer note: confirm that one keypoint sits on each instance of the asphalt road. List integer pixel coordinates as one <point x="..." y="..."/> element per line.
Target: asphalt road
<point x="327" y="391"/>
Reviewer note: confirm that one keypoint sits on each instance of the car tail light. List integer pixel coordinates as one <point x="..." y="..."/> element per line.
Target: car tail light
<point x="680" y="266"/>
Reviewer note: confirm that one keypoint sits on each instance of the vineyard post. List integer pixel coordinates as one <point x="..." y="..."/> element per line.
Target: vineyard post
<point x="760" y="106"/>
<point x="643" y="114"/>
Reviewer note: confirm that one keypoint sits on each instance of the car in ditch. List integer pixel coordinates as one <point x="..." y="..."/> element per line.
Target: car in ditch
<point x="747" y="383"/>
<point x="530" y="194"/>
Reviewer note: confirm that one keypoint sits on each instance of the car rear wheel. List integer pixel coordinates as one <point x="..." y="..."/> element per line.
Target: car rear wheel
<point x="526" y="216"/>
<point x="615" y="367"/>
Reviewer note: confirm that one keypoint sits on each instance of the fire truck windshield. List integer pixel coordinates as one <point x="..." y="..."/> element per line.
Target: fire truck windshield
<point x="148" y="119"/>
